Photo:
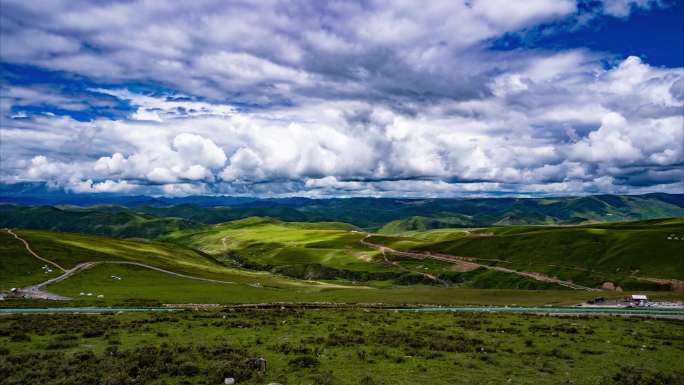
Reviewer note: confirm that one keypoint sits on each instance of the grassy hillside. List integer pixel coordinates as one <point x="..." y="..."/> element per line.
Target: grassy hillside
<point x="324" y="250"/>
<point x="419" y="223"/>
<point x="543" y="211"/>
<point x="141" y="285"/>
<point x="372" y="213"/>
<point x="18" y="268"/>
<point x="333" y="251"/>
<point x="99" y="220"/>
<point x="69" y="249"/>
<point x="150" y="218"/>
<point x="239" y="234"/>
<point x="591" y="253"/>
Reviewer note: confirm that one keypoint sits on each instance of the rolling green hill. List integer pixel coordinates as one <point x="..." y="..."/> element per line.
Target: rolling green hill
<point x="372" y="214"/>
<point x="149" y="286"/>
<point x="589" y="254"/>
<point x="100" y="220"/>
<point x="419" y="223"/>
<point x="542" y="211"/>
<point x="68" y="250"/>
<point x="146" y="286"/>
<point x="18" y="268"/>
<point x="390" y="215"/>
<point x="333" y="247"/>
<point x="333" y="251"/>
<point x="325" y="250"/>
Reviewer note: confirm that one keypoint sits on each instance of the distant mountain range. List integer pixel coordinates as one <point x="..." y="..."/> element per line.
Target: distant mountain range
<point x="32" y="206"/>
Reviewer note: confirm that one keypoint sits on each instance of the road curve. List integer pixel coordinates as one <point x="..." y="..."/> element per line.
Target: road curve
<point x="37" y="291"/>
<point x="455" y="259"/>
<point x="672" y="313"/>
<point x="28" y="248"/>
<point x="166" y="271"/>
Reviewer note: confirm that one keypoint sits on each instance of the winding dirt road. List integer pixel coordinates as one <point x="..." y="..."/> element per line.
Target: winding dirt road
<point x="37" y="291"/>
<point x="457" y="260"/>
<point x="28" y="248"/>
<point x="395" y="264"/>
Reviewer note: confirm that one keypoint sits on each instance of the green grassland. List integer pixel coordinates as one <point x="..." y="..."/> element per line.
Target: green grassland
<point x="264" y="260"/>
<point x="589" y="254"/>
<point x="105" y="220"/>
<point x="340" y="347"/>
<point x="268" y="260"/>
<point x="71" y="249"/>
<point x="152" y="287"/>
<point x="146" y="285"/>
<point x="149" y="219"/>
<point x="149" y="286"/>
<point x="18" y="268"/>
<point x="420" y="223"/>
<point x="303" y="250"/>
<point x="330" y="251"/>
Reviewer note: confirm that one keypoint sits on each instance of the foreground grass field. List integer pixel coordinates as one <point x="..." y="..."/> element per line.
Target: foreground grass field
<point x="339" y="347"/>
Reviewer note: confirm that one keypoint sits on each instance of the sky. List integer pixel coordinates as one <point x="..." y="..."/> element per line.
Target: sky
<point x="343" y="98"/>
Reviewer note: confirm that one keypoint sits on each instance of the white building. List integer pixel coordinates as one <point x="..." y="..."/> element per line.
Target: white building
<point x="639" y="299"/>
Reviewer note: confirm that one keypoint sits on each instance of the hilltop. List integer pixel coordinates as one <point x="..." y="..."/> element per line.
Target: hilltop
<point x="151" y="218"/>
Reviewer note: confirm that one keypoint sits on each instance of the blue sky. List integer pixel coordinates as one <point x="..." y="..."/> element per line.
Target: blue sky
<point x="377" y="98"/>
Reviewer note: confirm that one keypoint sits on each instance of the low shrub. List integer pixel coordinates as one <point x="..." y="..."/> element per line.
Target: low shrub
<point x="305" y="361"/>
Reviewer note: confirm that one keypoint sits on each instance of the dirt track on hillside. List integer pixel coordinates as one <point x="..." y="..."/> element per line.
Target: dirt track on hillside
<point x="38" y="292"/>
<point x="675" y="284"/>
<point x="459" y="260"/>
<point x="28" y="248"/>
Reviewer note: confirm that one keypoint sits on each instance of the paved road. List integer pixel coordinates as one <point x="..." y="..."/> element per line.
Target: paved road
<point x="675" y="313"/>
<point x="166" y="271"/>
<point x="457" y="259"/>
<point x="36" y="291"/>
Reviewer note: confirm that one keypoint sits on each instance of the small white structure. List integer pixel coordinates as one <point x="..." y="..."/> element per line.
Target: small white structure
<point x="639" y="299"/>
<point x="229" y="381"/>
<point x="81" y="293"/>
<point x="116" y="277"/>
<point x="100" y="296"/>
<point x="89" y="294"/>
